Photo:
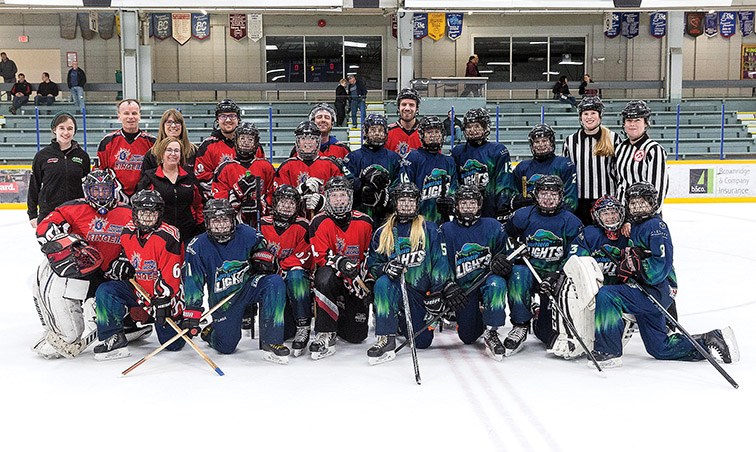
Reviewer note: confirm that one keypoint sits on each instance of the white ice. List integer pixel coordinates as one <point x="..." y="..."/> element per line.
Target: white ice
<point x="528" y="402"/>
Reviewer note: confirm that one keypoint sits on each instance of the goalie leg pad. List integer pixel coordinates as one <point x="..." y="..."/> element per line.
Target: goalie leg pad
<point x="581" y="314"/>
<point x="59" y="302"/>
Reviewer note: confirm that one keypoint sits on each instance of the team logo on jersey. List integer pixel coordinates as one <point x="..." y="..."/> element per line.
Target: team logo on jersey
<point x="100" y="230"/>
<point x="470" y="258"/>
<point x="546" y="246"/>
<point x="403" y="149"/>
<point x="145" y="269"/>
<point x="639" y="155"/>
<point x="230" y="274"/>
<point x="408" y="257"/>
<point x="607" y="265"/>
<point x="474" y="173"/>
<point x="342" y="249"/>
<point x="77" y="160"/>
<point x="52" y="160"/>
<point x="435" y="183"/>
<point x="126" y="161"/>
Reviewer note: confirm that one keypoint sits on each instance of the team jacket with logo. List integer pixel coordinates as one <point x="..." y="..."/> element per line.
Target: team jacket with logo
<point x="56" y="178"/>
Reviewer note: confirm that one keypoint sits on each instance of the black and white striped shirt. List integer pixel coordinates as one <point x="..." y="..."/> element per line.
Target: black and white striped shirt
<point x="596" y="175"/>
<point x="644" y="161"/>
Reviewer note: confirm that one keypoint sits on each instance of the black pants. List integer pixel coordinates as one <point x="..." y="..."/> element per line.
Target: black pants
<point x="337" y="310"/>
<point x="340" y="113"/>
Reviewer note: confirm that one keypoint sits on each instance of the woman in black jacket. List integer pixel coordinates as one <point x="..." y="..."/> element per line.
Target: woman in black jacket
<point x="183" y="203"/>
<point x="57" y="170"/>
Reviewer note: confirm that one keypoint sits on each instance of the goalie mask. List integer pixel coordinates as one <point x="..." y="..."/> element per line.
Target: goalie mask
<point x="71" y="257"/>
<point x="548" y="194"/>
<point x="246" y="141"/>
<point x="147" y="210"/>
<point x="405" y="199"/>
<point x="476" y="126"/>
<point x="307" y="140"/>
<point x="338" y="197"/>
<point x="220" y="220"/>
<point x="99" y="190"/>
<point x="542" y="142"/>
<point x="286" y="200"/>
<point x="467" y="204"/>
<point x="431" y="131"/>
<point x="375" y="131"/>
<point x="608" y="214"/>
<point x="642" y="202"/>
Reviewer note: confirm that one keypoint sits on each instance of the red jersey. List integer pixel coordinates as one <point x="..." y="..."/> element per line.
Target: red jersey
<point x="295" y="171"/>
<point x="332" y="148"/>
<point x="328" y="239"/>
<point x="124" y="157"/>
<point x="157" y="259"/>
<point x="101" y="231"/>
<point x="213" y="151"/>
<point x="290" y="245"/>
<point x="402" y="141"/>
<point x="228" y="174"/>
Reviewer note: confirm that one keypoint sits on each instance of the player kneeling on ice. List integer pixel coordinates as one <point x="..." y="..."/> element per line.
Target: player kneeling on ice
<point x="644" y="269"/>
<point x="340" y="238"/>
<point x="81" y="241"/>
<point x="473" y="246"/>
<point x="232" y="258"/>
<point x="153" y="254"/>
<point x="408" y="247"/>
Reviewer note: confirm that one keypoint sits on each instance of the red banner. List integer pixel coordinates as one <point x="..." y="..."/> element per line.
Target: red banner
<point x="8" y="187"/>
<point x="237" y="26"/>
<point x="694" y="24"/>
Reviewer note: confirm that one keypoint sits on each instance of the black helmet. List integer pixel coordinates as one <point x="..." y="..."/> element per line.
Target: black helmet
<point x="608" y="203"/>
<point x="376" y="141"/>
<point x="545" y="184"/>
<point x="147" y="201"/>
<point x="219" y="209"/>
<point x="337" y="183"/>
<point x="246" y="153"/>
<point x="323" y="107"/>
<point x="590" y="103"/>
<point x="227" y="106"/>
<point x="99" y="190"/>
<point x="636" y="109"/>
<point x="477" y="116"/>
<point x="405" y="190"/>
<point x="307" y="130"/>
<point x="645" y="191"/>
<point x="466" y="192"/>
<point x="408" y="93"/>
<point x="280" y="217"/>
<point x="427" y="124"/>
<point x="542" y="131"/>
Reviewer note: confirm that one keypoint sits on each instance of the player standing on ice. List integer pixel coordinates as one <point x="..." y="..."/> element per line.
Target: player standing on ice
<point x="402" y="135"/>
<point x="324" y="116"/>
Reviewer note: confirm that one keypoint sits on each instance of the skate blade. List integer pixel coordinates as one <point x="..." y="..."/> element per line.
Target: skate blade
<point x="139" y="334"/>
<point x="118" y="353"/>
<point x="512" y="351"/>
<point x="493" y="355"/>
<point x="732" y="344"/>
<point x="297" y="352"/>
<point x="384" y="358"/>
<point x="272" y="357"/>
<point x="611" y="363"/>
<point x="324" y="354"/>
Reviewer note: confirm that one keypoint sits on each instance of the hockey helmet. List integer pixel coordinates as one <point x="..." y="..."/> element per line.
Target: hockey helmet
<point x="338" y="197"/>
<point x="220" y="220"/>
<point x="431" y="131"/>
<point x="636" y="109"/>
<point x="246" y="140"/>
<point x="375" y="131"/>
<point x="642" y="201"/>
<point x="405" y="198"/>
<point x="286" y="200"/>
<point x="609" y="214"/>
<point x="322" y="107"/>
<point x="71" y="257"/>
<point x="408" y="93"/>
<point x="99" y="190"/>
<point x="227" y="106"/>
<point x="147" y="210"/>
<point x="476" y="126"/>
<point x="307" y="140"/>
<point x="542" y="141"/>
<point x="548" y="194"/>
<point x="468" y="202"/>
<point x="590" y="103"/>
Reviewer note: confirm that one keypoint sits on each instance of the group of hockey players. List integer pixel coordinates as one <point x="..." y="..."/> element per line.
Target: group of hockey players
<point x="396" y="231"/>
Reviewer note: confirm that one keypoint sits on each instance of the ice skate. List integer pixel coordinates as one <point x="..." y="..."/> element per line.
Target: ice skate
<point x="494" y="348"/>
<point x="722" y="345"/>
<point x="515" y="339"/>
<point x="114" y="347"/>
<point x="383" y="350"/>
<point x="135" y="331"/>
<point x="276" y="353"/>
<point x="323" y="346"/>
<point x="300" y="340"/>
<point x="605" y="360"/>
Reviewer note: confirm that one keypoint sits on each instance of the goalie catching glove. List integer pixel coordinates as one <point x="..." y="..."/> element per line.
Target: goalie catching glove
<point x="71" y="257"/>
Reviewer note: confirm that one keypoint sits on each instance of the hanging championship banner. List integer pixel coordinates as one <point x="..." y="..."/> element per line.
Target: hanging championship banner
<point x="436" y="25"/>
<point x="630" y="25"/>
<point x="181" y="24"/>
<point x="746" y="22"/>
<point x="694" y="24"/>
<point x="454" y="25"/>
<point x="200" y="26"/>
<point x="94" y="23"/>
<point x="254" y="26"/>
<point x="394" y="25"/>
<point x="420" y="25"/>
<point x="107" y="24"/>
<point x="162" y="25"/>
<point x="710" y="24"/>
<point x="658" y="24"/>
<point x="727" y="23"/>
<point x="68" y="25"/>
<point x="237" y="26"/>
<point x="83" y="19"/>
<point x="611" y="25"/>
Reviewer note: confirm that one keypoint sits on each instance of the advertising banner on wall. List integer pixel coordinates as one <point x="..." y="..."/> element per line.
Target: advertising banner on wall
<point x="436" y="25"/>
<point x="454" y="25"/>
<point x="182" y="27"/>
<point x="237" y="26"/>
<point x="706" y="180"/>
<point x="658" y="24"/>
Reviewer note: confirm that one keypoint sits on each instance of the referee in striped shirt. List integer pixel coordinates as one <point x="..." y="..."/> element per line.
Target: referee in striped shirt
<point x="639" y="158"/>
<point x="592" y="150"/>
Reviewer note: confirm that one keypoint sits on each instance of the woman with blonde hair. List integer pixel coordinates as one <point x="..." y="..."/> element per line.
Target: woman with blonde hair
<point x="172" y="125"/>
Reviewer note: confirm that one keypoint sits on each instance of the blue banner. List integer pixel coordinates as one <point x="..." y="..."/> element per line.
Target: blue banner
<point x="420" y="25"/>
<point x="746" y="22"/>
<point x="710" y="24"/>
<point x="454" y="25"/>
<point x="658" y="24"/>
<point x="163" y="26"/>
<point x="611" y="25"/>
<point x="727" y="23"/>
<point x="200" y="26"/>
<point x="630" y="25"/>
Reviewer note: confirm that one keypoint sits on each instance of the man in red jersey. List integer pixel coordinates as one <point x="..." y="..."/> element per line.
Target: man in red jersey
<point x="402" y="135"/>
<point x="219" y="146"/>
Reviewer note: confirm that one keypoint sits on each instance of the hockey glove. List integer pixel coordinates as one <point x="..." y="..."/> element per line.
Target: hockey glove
<point x="263" y="262"/>
<point x="375" y="177"/>
<point x="313" y="201"/>
<point x="246" y="185"/>
<point x="249" y="210"/>
<point x="191" y="322"/>
<point x="552" y="284"/>
<point x="162" y="309"/>
<point x="501" y="266"/>
<point x="393" y="268"/>
<point x="515" y="242"/>
<point x="630" y="265"/>
<point x="371" y="197"/>
<point x="521" y="201"/>
<point x="454" y="296"/>
<point x="347" y="267"/>
<point x="434" y="304"/>
<point x="120" y="269"/>
<point x="445" y="205"/>
<point x="310" y="186"/>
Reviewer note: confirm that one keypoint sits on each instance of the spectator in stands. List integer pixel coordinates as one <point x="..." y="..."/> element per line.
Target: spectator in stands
<point x="448" y="128"/>
<point x="583" y="88"/>
<point x="57" y="170"/>
<point x="172" y="125"/>
<point x="471" y="70"/>
<point x="8" y="71"/>
<point x="357" y="96"/>
<point x="562" y="92"/>
<point x="47" y="91"/>
<point x="342" y="98"/>
<point x="76" y="81"/>
<point x="21" y="91"/>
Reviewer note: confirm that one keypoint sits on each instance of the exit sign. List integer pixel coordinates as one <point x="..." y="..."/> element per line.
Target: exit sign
<point x="23" y="38"/>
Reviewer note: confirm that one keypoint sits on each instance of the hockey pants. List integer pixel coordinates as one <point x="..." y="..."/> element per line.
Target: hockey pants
<point x="338" y="310"/>
<point x="298" y="300"/>
<point x="520" y="290"/>
<point x="474" y="317"/>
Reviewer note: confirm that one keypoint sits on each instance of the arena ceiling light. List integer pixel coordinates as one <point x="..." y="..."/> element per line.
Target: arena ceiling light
<point x="359" y="45"/>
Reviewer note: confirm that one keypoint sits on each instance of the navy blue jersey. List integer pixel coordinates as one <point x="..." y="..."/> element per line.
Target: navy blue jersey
<point x="435" y="175"/>
<point x="489" y="166"/>
<point x="548" y="236"/>
<point x="590" y="243"/>
<point x="557" y="166"/>
<point x="653" y="235"/>
<point x="356" y="162"/>
<point x="470" y="249"/>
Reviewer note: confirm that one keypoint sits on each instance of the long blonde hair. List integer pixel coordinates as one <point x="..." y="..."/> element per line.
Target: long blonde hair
<point x="605" y="145"/>
<point x="386" y="242"/>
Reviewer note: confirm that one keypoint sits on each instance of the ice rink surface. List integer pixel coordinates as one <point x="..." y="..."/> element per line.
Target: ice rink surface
<point x="467" y="402"/>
